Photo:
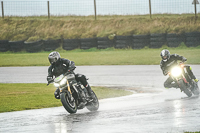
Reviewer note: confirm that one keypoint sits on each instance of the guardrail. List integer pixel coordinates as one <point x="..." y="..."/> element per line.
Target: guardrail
<point x="191" y="39"/>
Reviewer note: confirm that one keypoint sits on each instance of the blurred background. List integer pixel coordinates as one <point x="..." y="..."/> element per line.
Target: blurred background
<point x="97" y="7"/>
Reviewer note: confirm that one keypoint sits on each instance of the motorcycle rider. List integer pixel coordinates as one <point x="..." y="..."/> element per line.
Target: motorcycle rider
<point x="60" y="66"/>
<point x="169" y="61"/>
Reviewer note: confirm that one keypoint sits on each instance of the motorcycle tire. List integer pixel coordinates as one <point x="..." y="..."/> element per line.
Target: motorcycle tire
<point x="94" y="105"/>
<point x="71" y="107"/>
<point x="195" y="89"/>
<point x="184" y="88"/>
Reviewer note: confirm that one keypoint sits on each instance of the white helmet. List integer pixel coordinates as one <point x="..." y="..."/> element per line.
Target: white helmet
<point x="53" y="57"/>
<point x="165" y="55"/>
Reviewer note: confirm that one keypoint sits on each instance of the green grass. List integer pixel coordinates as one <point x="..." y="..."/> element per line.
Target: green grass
<point x="67" y="27"/>
<point x="94" y="56"/>
<point x="17" y="96"/>
<point x="193" y="132"/>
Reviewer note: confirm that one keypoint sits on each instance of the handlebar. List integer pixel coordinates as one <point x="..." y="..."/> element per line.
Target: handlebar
<point x="167" y="72"/>
<point x="180" y="62"/>
<point x="70" y="71"/>
<point x="50" y="82"/>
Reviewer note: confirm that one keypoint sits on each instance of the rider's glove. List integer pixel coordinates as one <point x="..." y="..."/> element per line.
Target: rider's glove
<point x="184" y="59"/>
<point x="49" y="79"/>
<point x="165" y="72"/>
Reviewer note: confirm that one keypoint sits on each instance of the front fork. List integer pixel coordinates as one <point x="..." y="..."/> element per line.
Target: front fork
<point x="67" y="91"/>
<point x="184" y="79"/>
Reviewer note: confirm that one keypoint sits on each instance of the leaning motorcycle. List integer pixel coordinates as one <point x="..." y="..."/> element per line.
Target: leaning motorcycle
<point x="72" y="93"/>
<point x="181" y="77"/>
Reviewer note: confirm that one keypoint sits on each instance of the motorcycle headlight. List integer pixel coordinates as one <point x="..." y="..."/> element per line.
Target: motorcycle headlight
<point x="63" y="81"/>
<point x="56" y="85"/>
<point x="176" y="71"/>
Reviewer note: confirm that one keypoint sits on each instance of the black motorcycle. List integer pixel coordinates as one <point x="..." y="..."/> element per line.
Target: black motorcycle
<point x="73" y="93"/>
<point x="181" y="77"/>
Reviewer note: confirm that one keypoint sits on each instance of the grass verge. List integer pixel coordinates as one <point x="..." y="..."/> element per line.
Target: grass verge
<point x="110" y="56"/>
<point x="18" y="96"/>
<point x="28" y="28"/>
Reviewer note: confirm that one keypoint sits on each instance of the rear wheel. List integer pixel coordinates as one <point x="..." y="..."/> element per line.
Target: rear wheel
<point x="69" y="105"/>
<point x="94" y="105"/>
<point x="195" y="88"/>
<point x="184" y="88"/>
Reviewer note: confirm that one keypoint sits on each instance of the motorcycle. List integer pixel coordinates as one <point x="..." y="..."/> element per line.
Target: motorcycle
<point x="181" y="77"/>
<point x="73" y="93"/>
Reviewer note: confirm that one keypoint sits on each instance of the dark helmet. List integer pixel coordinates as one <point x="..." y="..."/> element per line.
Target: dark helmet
<point x="53" y="57"/>
<point x="165" y="55"/>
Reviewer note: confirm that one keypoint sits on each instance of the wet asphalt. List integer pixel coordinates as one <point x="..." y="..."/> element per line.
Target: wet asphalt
<point x="156" y="110"/>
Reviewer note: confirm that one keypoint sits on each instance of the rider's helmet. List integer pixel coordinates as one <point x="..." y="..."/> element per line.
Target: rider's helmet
<point x="53" y="57"/>
<point x="165" y="55"/>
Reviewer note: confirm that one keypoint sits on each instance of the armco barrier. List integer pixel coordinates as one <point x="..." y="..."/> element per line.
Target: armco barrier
<point x="123" y="41"/>
<point x="140" y="41"/>
<point x="4" y="45"/>
<point x="173" y="40"/>
<point x="192" y="39"/>
<point x="16" y="46"/>
<point x="49" y="45"/>
<point x="70" y="44"/>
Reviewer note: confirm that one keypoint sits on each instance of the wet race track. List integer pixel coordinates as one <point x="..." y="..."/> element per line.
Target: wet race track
<point x="157" y="110"/>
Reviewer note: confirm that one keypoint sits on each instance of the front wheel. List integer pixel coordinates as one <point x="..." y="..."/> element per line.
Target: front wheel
<point x="69" y="105"/>
<point x="184" y="88"/>
<point x="94" y="105"/>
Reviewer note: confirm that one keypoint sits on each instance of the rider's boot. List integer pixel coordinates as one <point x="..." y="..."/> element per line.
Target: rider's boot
<point x="192" y="84"/>
<point x="83" y="100"/>
<point x="90" y="92"/>
<point x="196" y="80"/>
<point x="57" y="93"/>
<point x="82" y="104"/>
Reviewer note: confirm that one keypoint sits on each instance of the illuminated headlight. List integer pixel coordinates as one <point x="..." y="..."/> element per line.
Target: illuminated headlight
<point x="176" y="71"/>
<point x="56" y="85"/>
<point x="63" y="81"/>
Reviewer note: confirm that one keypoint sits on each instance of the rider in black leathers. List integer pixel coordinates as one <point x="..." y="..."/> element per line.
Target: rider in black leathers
<point x="60" y="66"/>
<point x="167" y="62"/>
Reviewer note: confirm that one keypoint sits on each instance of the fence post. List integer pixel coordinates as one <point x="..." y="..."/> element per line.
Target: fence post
<point x="150" y="8"/>
<point x="2" y="9"/>
<point x="48" y="10"/>
<point x="195" y="8"/>
<point x="95" y="11"/>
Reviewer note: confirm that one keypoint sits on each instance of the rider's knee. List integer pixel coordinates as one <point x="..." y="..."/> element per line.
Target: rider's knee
<point x="81" y="78"/>
<point x="166" y="85"/>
